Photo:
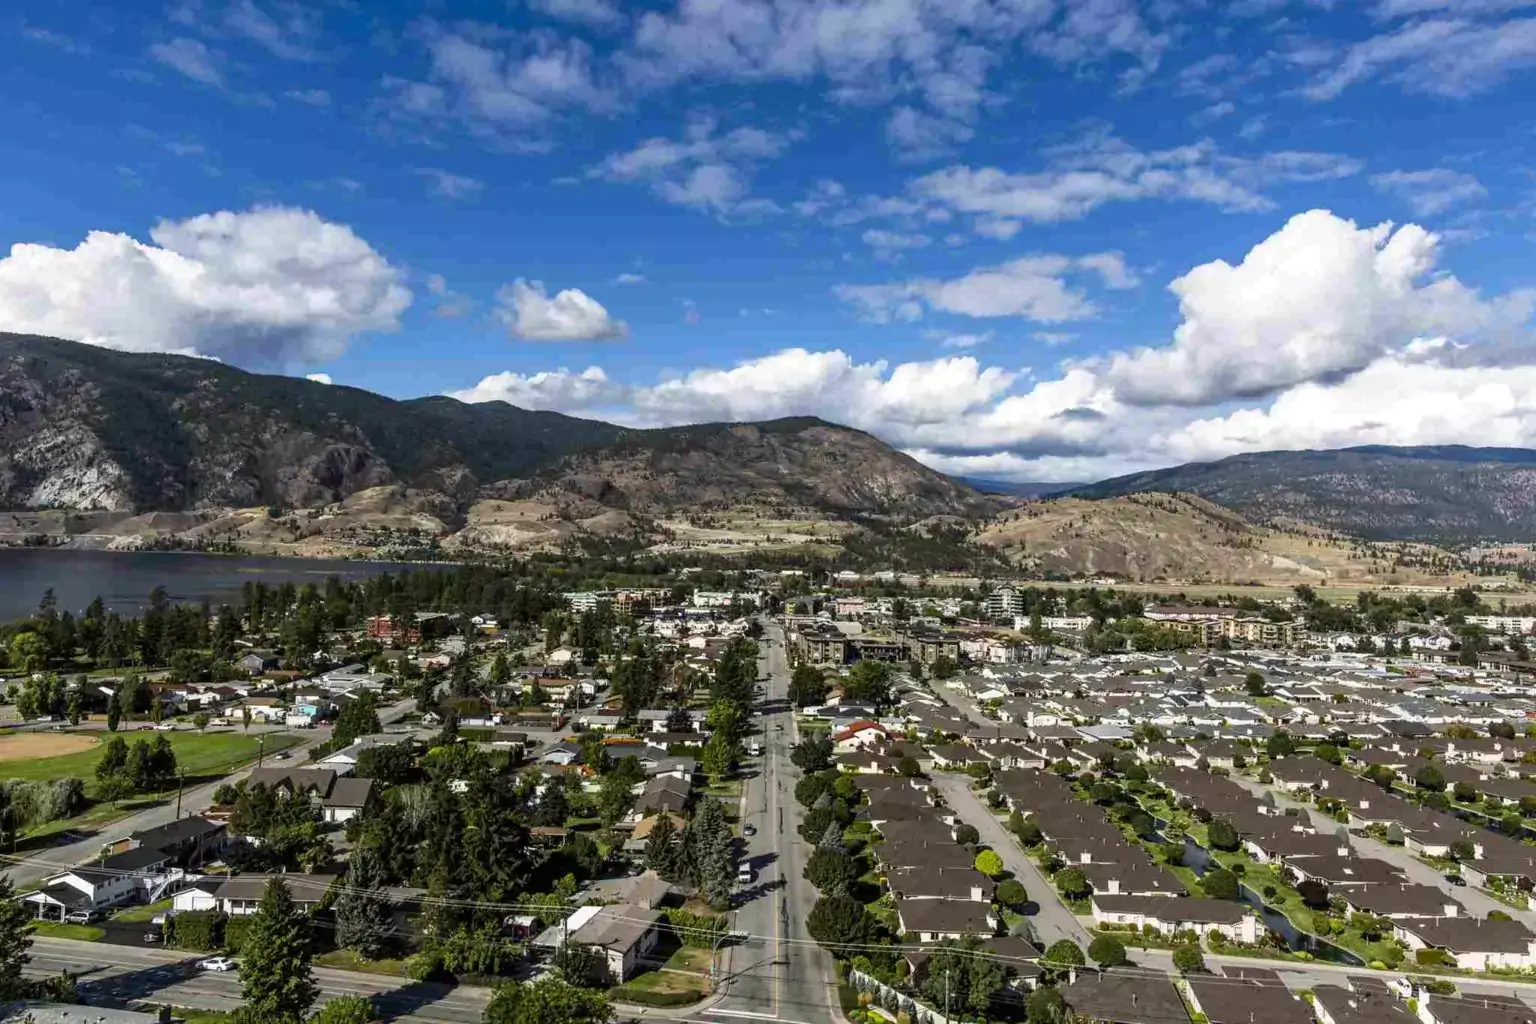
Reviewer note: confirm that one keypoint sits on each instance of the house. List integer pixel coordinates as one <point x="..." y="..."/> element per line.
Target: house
<point x="642" y="833"/>
<point x="340" y="798"/>
<point x="564" y="753"/>
<point x="347" y="799"/>
<point x="82" y="892"/>
<point x="1253" y="996"/>
<point x="944" y="884"/>
<point x="1360" y="1004"/>
<point x="1231" y="920"/>
<point x="240" y="895"/>
<point x="1132" y="878"/>
<point x="932" y="920"/>
<point x="344" y="761"/>
<point x="861" y="734"/>
<point x="1475" y="945"/>
<point x="1400" y="901"/>
<point x="620" y="935"/>
<point x="188" y="842"/>
<point x="257" y="662"/>
<point x="1113" y="998"/>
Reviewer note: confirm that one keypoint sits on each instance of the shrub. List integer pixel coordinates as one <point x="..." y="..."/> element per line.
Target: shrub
<point x="697" y="930"/>
<point x="1107" y="951"/>
<point x="1220" y="885"/>
<point x="1064" y="953"/>
<point x="1011" y="893"/>
<point x="1188" y="959"/>
<point x="201" y="930"/>
<point x="1432" y="957"/>
<point x="235" y="931"/>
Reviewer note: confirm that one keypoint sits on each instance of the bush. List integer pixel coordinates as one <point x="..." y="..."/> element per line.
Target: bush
<point x="697" y="930"/>
<point x="1188" y="959"/>
<point x="966" y="835"/>
<point x="1011" y="893"/>
<point x="646" y="997"/>
<point x="989" y="863"/>
<point x="1064" y="953"/>
<point x="1222" y="835"/>
<point x="1220" y="885"/>
<point x="1107" y="951"/>
<point x="200" y="930"/>
<point x="235" y="931"/>
<point x="1433" y="957"/>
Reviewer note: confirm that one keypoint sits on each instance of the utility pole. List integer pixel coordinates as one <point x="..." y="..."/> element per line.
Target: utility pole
<point x="946" y="993"/>
<point x="181" y="784"/>
<point x="261" y="749"/>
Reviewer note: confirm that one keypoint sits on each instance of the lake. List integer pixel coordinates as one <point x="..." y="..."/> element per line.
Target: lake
<point x="124" y="579"/>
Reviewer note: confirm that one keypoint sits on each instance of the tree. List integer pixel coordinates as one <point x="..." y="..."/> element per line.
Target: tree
<point x="1029" y="833"/>
<point x="276" y="979"/>
<point x="831" y="872"/>
<point x="1464" y="792"/>
<point x="547" y="1001"/>
<point x="832" y="839"/>
<point x="966" y="835"/>
<point x="959" y="978"/>
<point x="1011" y="893"/>
<point x="1046" y="1006"/>
<point x="114" y="759"/>
<point x="114" y="716"/>
<point x="718" y="758"/>
<point x="29" y="652"/>
<point x="614" y="798"/>
<point x="1511" y="825"/>
<point x="1254" y="685"/>
<point x="909" y="767"/>
<point x="1280" y="744"/>
<point x="807" y="687"/>
<point x="1064" y="953"/>
<point x="989" y="863"/>
<point x="1188" y="960"/>
<point x="346" y="1010"/>
<point x="357" y="719"/>
<point x="868" y="682"/>
<point x="662" y="849"/>
<point x="943" y="668"/>
<point x="1313" y="893"/>
<point x="812" y="754"/>
<point x="15" y="939"/>
<point x="1072" y="883"/>
<point x="1430" y="779"/>
<point x="1222" y="835"/>
<point x="839" y="921"/>
<point x="1220" y="884"/>
<point x="1107" y="951"/>
<point x="364" y="922"/>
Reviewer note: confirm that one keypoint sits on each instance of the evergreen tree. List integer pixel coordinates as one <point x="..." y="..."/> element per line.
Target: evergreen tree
<point x="113" y="759"/>
<point x="276" y="979"/>
<point x="15" y="940"/>
<point x="661" y="848"/>
<point x="832" y="839"/>
<point x="363" y="919"/>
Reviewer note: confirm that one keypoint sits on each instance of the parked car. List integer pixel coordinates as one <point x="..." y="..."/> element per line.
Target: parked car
<point x="166" y="727"/>
<point x="744" y="874"/>
<point x="151" y="936"/>
<point x="1455" y="879"/>
<point x="83" y="916"/>
<point x="217" y="963"/>
<point x="749" y="829"/>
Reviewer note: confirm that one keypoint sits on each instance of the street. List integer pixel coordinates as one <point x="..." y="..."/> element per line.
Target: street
<point x="28" y="870"/>
<point x="112" y="975"/>
<point x="767" y="977"/>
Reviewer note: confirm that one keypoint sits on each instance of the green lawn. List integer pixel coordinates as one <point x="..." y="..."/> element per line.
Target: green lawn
<point x="211" y="753"/>
<point x="78" y="932"/>
<point x="144" y="914"/>
<point x="686" y="973"/>
<point x="202" y="1016"/>
<point x="348" y="960"/>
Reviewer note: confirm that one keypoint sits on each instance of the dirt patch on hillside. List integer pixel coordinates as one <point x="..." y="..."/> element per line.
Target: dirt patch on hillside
<point x="27" y="746"/>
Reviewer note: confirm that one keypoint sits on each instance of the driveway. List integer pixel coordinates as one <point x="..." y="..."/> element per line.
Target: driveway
<point x="1054" y="919"/>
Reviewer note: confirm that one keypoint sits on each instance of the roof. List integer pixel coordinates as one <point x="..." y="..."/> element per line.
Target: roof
<point x="1418" y="900"/>
<point x="944" y="916"/>
<point x="179" y="831"/>
<point x="1255" y="1000"/>
<point x="68" y="895"/>
<point x="295" y="778"/>
<point x="303" y="888"/>
<point x="135" y="860"/>
<point x="38" y="1011"/>
<point x="1466" y="935"/>
<point x="349" y="793"/>
<point x="618" y="927"/>
<point x="1125" y="999"/>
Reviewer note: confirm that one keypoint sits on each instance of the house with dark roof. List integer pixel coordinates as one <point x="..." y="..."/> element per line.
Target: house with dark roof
<point x="1256" y="996"/>
<point x="1473" y="1008"/>
<point x="1400" y="901"/>
<point x="620" y="936"/>
<point x="240" y="895"/>
<point x="1359" y="1005"/>
<point x="1475" y="945"/>
<point x="1113" y="998"/>
<point x="933" y="920"/>
<point x="189" y="842"/>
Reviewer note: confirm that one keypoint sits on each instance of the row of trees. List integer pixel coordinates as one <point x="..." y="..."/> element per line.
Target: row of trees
<point x="146" y="767"/>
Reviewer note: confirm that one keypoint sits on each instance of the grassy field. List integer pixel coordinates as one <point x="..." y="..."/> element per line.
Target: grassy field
<point x="348" y="960"/>
<point x="144" y="914"/>
<point x="212" y="753"/>
<point x="685" y="973"/>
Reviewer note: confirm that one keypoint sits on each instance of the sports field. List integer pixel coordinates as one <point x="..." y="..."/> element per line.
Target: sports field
<point x="60" y="755"/>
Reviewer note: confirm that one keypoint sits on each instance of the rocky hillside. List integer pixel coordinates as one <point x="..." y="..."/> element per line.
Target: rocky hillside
<point x="124" y="436"/>
<point x="1445" y="494"/>
<point x="1151" y="537"/>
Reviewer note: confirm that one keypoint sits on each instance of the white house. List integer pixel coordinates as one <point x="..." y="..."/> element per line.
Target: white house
<point x="1476" y="945"/>
<point x="1231" y="920"/>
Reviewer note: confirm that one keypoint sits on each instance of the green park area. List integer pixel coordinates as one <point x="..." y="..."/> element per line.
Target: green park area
<point x="197" y="753"/>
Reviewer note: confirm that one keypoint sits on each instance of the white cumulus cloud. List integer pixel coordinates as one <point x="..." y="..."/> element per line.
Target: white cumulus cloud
<point x="570" y="315"/>
<point x="319" y="378"/>
<point x="263" y="287"/>
<point x="1033" y="287"/>
<point x="1321" y="296"/>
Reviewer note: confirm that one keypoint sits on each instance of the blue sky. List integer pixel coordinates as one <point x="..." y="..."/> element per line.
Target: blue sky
<point x="1015" y="238"/>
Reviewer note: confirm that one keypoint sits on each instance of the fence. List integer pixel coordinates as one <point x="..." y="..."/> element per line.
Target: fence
<point x="897" y="1001"/>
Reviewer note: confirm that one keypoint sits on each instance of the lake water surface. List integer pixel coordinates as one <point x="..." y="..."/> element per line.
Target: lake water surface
<point x="124" y="579"/>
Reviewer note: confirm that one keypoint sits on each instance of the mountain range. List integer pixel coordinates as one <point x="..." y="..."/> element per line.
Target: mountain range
<point x="124" y="436"/>
<point x="1441" y="494"/>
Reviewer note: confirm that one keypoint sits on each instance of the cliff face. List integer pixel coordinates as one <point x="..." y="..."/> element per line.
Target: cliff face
<point x="89" y="428"/>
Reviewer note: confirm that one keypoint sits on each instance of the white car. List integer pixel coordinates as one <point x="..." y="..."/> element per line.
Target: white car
<point x="218" y="963"/>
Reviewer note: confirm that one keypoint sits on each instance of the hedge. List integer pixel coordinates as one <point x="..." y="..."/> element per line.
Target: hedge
<point x="235" y="931"/>
<point x="645" y="997"/>
<point x="201" y="930"/>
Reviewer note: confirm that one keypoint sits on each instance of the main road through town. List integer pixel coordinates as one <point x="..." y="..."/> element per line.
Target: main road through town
<point x="775" y="972"/>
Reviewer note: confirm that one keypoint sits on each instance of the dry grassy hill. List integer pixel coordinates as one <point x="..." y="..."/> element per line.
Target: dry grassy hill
<point x="1182" y="537"/>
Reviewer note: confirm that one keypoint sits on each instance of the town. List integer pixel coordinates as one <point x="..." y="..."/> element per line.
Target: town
<point x="877" y="798"/>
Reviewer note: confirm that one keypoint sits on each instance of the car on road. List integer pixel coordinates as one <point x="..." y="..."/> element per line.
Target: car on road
<point x="217" y="963"/>
<point x="1455" y="879"/>
<point x="281" y="755"/>
<point x="744" y="874"/>
<point x="749" y="829"/>
<point x="166" y="727"/>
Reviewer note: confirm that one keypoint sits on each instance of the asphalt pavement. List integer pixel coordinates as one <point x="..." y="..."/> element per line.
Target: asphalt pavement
<point x="777" y="973"/>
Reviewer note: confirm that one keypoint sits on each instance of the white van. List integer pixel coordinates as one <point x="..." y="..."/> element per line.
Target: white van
<point x="744" y="874"/>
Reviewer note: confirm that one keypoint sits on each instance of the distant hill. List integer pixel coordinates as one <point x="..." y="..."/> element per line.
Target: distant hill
<point x="136" y="436"/>
<point x="1018" y="488"/>
<point x="1184" y="538"/>
<point x="1441" y="494"/>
